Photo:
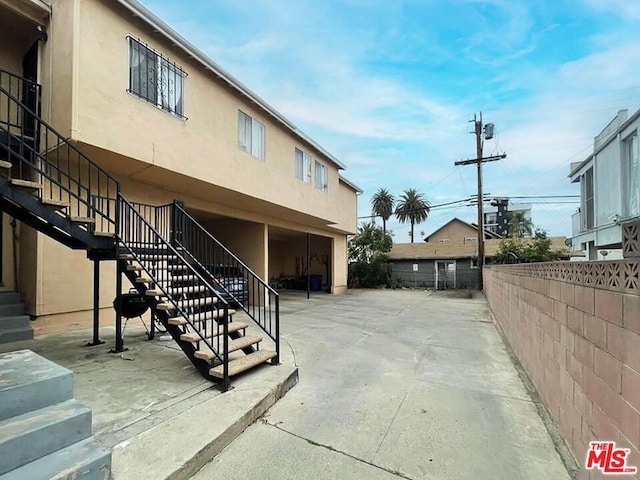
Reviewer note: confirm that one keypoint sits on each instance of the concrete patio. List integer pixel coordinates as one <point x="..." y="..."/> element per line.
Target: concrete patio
<point x="396" y="384"/>
<point x="393" y="384"/>
<point x="150" y="404"/>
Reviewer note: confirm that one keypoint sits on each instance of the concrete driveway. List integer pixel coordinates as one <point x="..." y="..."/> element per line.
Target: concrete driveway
<point x="395" y="384"/>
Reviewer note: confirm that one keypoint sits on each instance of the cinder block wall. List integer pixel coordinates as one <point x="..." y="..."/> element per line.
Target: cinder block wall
<point x="575" y="327"/>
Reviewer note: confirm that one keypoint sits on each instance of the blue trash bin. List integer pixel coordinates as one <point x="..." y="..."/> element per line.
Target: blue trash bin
<point x="316" y="283"/>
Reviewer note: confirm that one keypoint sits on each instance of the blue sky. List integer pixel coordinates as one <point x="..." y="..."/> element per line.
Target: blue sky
<point x="389" y="86"/>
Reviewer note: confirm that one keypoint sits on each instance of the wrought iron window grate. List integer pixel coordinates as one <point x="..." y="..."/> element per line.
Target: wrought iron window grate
<point x="155" y="79"/>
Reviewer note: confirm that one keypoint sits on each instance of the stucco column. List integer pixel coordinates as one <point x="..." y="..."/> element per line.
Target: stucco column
<point x="339" y="264"/>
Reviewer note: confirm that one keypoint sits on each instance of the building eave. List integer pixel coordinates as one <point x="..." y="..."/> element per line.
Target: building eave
<point x="192" y="51"/>
<point x="350" y="184"/>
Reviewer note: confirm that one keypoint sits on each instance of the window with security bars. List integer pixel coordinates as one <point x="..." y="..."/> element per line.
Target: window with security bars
<point x="250" y="135"/>
<point x="303" y="166"/>
<point x="154" y="78"/>
<point x="322" y="177"/>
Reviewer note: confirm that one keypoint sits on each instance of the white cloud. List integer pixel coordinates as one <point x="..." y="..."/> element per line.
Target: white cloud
<point x="624" y="8"/>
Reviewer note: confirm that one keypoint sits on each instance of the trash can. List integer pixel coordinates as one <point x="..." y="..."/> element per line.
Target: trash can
<point x="316" y="283"/>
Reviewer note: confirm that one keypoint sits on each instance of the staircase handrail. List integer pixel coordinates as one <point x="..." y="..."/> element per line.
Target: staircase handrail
<point x="174" y="252"/>
<point x="254" y="313"/>
<point x="59" y="139"/>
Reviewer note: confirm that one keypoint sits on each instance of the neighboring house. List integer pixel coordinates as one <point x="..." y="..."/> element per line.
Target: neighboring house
<point x="497" y="216"/>
<point x="166" y="122"/>
<point x="448" y="258"/>
<point x="609" y="189"/>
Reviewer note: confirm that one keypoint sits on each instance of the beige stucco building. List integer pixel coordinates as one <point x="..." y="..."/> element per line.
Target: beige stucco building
<point x="167" y="123"/>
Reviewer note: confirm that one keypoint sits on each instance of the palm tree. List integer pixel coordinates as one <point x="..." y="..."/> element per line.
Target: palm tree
<point x="382" y="204"/>
<point x="519" y="225"/>
<point x="412" y="207"/>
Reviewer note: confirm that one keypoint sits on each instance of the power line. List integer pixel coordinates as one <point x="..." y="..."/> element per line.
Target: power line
<point x="431" y="207"/>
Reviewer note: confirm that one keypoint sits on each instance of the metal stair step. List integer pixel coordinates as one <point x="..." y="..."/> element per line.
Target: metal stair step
<point x="244" y="363"/>
<point x="104" y="234"/>
<point x="83" y="220"/>
<point x="196" y="302"/>
<point x="156" y="292"/>
<point x="16" y="182"/>
<point x="184" y="278"/>
<point x="56" y="204"/>
<point x="208" y="316"/>
<point x="5" y="164"/>
<point x="234" y="345"/>
<point x="135" y="268"/>
<point x="233" y="327"/>
<point x="174" y="267"/>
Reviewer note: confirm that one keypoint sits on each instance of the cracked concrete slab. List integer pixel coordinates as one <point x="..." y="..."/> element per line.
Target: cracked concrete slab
<point x="398" y="384"/>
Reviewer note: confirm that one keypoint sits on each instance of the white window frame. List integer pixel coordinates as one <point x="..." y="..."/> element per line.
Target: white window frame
<point x="322" y="177"/>
<point x="155" y="79"/>
<point x="631" y="172"/>
<point x="251" y="135"/>
<point x="302" y="165"/>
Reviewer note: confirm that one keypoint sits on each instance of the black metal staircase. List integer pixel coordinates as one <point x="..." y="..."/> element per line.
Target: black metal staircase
<point x="50" y="185"/>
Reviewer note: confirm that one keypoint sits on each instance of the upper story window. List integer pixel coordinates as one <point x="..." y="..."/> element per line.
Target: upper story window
<point x="250" y="135"/>
<point x="631" y="171"/>
<point x="154" y="78"/>
<point x="322" y="177"/>
<point x="586" y="196"/>
<point x="303" y="166"/>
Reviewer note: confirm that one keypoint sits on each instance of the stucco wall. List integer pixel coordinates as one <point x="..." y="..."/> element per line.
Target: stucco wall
<point x="579" y="343"/>
<point x="206" y="145"/>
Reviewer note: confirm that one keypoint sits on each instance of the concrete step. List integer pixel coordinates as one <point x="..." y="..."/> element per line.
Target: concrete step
<point x="233" y="327"/>
<point x="11" y="310"/>
<point x="30" y="382"/>
<point x="244" y="363"/>
<point x="35" y="434"/>
<point x="16" y="335"/>
<point x="234" y="345"/>
<point x="9" y="298"/>
<point x="84" y="460"/>
<point x="5" y="164"/>
<point x="18" y="321"/>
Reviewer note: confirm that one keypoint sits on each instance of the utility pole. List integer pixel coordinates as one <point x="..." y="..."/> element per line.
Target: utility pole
<point x="479" y="160"/>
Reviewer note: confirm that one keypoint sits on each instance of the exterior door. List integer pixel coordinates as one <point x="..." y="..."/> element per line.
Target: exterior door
<point x="445" y="274"/>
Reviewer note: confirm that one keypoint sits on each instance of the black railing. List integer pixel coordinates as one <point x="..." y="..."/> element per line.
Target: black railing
<point x="258" y="299"/>
<point x="67" y="176"/>
<point x="30" y="94"/>
<point x="195" y="301"/>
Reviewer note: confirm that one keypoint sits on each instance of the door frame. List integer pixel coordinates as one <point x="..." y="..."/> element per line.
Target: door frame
<point x="445" y="262"/>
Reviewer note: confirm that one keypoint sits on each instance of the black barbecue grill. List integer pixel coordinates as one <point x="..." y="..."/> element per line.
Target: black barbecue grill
<point x="132" y="305"/>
